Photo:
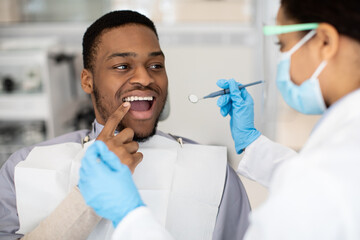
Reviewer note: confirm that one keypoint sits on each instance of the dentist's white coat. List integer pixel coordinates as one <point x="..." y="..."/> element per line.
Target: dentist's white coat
<point x="312" y="195"/>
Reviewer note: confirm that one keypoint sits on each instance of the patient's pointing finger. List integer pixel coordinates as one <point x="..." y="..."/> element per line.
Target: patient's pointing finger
<point x="115" y="118"/>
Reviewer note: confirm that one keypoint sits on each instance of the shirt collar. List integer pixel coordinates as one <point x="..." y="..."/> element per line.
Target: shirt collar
<point x="96" y="130"/>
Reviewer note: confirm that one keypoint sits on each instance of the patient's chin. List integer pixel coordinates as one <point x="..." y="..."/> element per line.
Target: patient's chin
<point x="142" y="130"/>
<point x="143" y="137"/>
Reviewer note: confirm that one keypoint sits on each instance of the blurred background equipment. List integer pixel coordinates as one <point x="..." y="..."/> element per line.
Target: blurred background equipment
<point x="38" y="93"/>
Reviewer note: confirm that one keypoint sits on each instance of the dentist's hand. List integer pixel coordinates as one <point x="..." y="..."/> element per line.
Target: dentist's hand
<point x="240" y="106"/>
<point x="106" y="184"/>
<point x="122" y="144"/>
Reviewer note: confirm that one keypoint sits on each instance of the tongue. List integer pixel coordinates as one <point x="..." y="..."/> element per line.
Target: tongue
<point x="140" y="106"/>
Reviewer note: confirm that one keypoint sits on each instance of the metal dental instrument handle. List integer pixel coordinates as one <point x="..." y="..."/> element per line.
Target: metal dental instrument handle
<point x="226" y="91"/>
<point x="194" y="99"/>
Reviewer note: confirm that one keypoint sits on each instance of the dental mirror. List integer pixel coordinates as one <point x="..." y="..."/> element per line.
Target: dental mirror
<point x="193" y="98"/>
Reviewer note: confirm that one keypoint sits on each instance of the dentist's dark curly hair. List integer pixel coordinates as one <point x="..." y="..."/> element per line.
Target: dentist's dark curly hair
<point x="110" y="20"/>
<point x="343" y="15"/>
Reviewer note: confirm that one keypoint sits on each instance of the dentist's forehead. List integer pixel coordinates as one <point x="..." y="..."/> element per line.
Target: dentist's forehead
<point x="282" y="18"/>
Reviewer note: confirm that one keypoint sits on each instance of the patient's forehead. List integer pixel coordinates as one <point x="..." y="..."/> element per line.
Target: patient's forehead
<point x="129" y="37"/>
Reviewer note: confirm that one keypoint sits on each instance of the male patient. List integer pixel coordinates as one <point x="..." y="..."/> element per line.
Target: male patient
<point x="189" y="187"/>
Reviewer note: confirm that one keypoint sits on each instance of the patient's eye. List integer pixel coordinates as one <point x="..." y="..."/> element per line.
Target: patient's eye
<point x="156" y="66"/>
<point x="122" y="67"/>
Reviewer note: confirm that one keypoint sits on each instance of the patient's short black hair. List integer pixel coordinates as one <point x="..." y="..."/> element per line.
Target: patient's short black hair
<point x="110" y="20"/>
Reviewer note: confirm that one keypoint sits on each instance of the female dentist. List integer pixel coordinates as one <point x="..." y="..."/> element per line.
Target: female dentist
<point x="313" y="194"/>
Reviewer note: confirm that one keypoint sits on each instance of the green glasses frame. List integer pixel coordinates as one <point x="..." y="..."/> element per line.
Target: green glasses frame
<point x="280" y="29"/>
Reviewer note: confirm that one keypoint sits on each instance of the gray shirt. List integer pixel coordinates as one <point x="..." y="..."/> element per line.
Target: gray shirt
<point x="232" y="219"/>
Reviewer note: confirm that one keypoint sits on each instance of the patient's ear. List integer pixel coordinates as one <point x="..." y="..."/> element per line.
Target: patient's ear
<point x="87" y="81"/>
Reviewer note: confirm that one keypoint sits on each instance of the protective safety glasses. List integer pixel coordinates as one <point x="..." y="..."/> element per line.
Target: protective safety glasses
<point x="280" y="29"/>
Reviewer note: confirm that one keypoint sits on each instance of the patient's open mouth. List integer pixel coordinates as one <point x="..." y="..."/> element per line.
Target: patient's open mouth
<point x="140" y="104"/>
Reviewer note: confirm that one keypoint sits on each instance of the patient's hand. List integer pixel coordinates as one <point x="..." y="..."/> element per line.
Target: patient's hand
<point x="122" y="144"/>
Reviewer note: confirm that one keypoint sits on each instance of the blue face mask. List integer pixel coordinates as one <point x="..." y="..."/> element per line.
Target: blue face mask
<point x="307" y="97"/>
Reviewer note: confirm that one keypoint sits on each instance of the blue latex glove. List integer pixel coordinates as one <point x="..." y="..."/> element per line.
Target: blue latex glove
<point x="106" y="184"/>
<point x="240" y="106"/>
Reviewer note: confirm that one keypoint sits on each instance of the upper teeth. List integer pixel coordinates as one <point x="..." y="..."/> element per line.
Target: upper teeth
<point x="136" y="98"/>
